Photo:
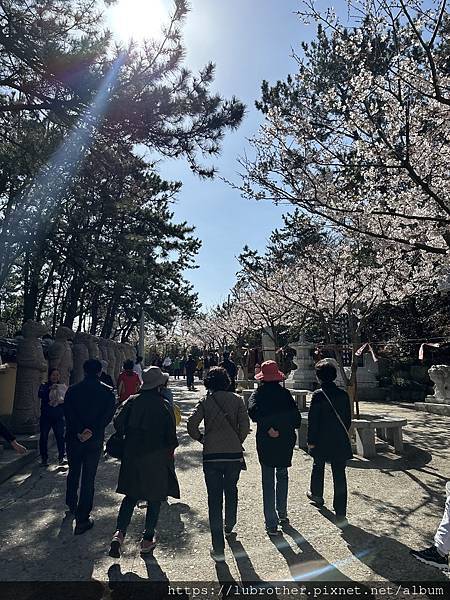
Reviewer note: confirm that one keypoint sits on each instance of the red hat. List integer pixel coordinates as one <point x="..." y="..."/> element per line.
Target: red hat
<point x="270" y="372"/>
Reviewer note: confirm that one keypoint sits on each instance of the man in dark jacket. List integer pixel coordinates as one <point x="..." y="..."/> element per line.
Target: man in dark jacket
<point x="190" y="368"/>
<point x="88" y="408"/>
<point x="273" y="408"/>
<point x="329" y="421"/>
<point x="231" y="368"/>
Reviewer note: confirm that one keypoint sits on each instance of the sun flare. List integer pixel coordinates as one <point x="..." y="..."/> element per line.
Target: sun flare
<point x="138" y="19"/>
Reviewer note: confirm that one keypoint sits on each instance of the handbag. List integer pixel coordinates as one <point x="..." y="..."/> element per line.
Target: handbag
<point x="115" y="444"/>
<point x="221" y="411"/>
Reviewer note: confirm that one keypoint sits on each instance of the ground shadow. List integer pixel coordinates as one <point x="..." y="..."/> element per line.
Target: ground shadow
<point x="129" y="586"/>
<point x="306" y="564"/>
<point x="387" y="557"/>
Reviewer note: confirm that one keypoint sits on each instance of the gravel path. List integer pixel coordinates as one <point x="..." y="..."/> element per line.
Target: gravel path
<point x="395" y="503"/>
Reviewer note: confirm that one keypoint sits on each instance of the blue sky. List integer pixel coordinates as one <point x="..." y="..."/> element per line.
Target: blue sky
<point x="248" y="40"/>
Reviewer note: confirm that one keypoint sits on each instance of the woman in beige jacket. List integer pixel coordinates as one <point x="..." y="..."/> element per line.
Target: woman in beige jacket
<point x="226" y="425"/>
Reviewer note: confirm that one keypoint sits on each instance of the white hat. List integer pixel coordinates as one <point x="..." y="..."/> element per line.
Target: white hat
<point x="153" y="377"/>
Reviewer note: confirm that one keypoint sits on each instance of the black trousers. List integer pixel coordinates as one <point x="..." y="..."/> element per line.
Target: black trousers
<point x="189" y="378"/>
<point x="46" y="423"/>
<point x="221" y="480"/>
<point x="339" y="481"/>
<point x="83" y="458"/>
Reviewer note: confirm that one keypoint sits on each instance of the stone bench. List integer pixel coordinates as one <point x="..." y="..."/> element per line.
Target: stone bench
<point x="245" y="384"/>
<point x="388" y="430"/>
<point x="299" y="397"/>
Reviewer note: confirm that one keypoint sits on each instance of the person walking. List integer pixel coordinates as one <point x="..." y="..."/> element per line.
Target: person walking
<point x="167" y="364"/>
<point x="200" y="367"/>
<point x="226" y="425"/>
<point x="105" y="377"/>
<point x="190" y="366"/>
<point x="437" y="554"/>
<point x="273" y="409"/>
<point x="329" y="421"/>
<point x="88" y="408"/>
<point x="147" y="472"/>
<point x="11" y="439"/>
<point x="138" y="367"/>
<point x="231" y="368"/>
<point x="128" y="382"/>
<point x="52" y="395"/>
<point x="177" y="367"/>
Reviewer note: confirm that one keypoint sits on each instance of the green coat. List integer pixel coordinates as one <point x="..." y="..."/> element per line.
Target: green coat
<point x="147" y="471"/>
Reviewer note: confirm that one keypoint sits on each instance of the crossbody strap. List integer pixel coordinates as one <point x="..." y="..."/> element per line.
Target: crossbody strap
<point x="222" y="412"/>
<point x="336" y="413"/>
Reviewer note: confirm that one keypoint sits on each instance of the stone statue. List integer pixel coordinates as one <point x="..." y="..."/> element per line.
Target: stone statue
<point x="103" y="347"/>
<point x="80" y="356"/>
<point x="120" y="359"/>
<point x="92" y="346"/>
<point x="60" y="354"/>
<point x="130" y="352"/>
<point x="111" y="359"/>
<point x="31" y="368"/>
<point x="440" y="376"/>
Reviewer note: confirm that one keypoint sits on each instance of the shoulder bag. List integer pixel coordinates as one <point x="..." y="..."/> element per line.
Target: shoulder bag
<point x="115" y="444"/>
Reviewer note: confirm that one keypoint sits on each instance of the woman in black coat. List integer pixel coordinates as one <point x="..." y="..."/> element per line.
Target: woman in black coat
<point x="329" y="421"/>
<point x="272" y="407"/>
<point x="147" y="471"/>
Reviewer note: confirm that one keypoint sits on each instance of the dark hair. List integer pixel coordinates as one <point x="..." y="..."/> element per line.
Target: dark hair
<point x="217" y="380"/>
<point x="139" y="359"/>
<point x="128" y="365"/>
<point x="92" y="367"/>
<point x="50" y="371"/>
<point x="226" y="354"/>
<point x="326" y="371"/>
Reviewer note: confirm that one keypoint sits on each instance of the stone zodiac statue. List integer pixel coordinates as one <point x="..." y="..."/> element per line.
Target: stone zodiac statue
<point x="60" y="354"/>
<point x="31" y="369"/>
<point x="80" y="356"/>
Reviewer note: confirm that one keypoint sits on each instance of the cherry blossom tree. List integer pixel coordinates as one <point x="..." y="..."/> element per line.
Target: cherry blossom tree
<point x="359" y="136"/>
<point x="338" y="278"/>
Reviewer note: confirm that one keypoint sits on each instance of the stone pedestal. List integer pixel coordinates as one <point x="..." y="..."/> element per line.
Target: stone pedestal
<point x="304" y="377"/>
<point x="439" y="403"/>
<point x="268" y="344"/>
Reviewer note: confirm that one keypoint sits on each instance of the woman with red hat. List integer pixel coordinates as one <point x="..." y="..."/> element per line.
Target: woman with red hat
<point x="273" y="409"/>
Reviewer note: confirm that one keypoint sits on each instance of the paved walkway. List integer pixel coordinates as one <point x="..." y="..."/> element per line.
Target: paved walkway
<point x="395" y="503"/>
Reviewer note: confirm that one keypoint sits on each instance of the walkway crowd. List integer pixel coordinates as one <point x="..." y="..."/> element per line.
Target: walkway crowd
<point x="145" y="439"/>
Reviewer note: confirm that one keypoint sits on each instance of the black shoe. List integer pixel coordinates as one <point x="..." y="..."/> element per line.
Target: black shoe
<point x="317" y="500"/>
<point x="341" y="521"/>
<point x="272" y="531"/>
<point x="81" y="528"/>
<point x="284" y="520"/>
<point x="228" y="531"/>
<point x="218" y="557"/>
<point x="431" y="556"/>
